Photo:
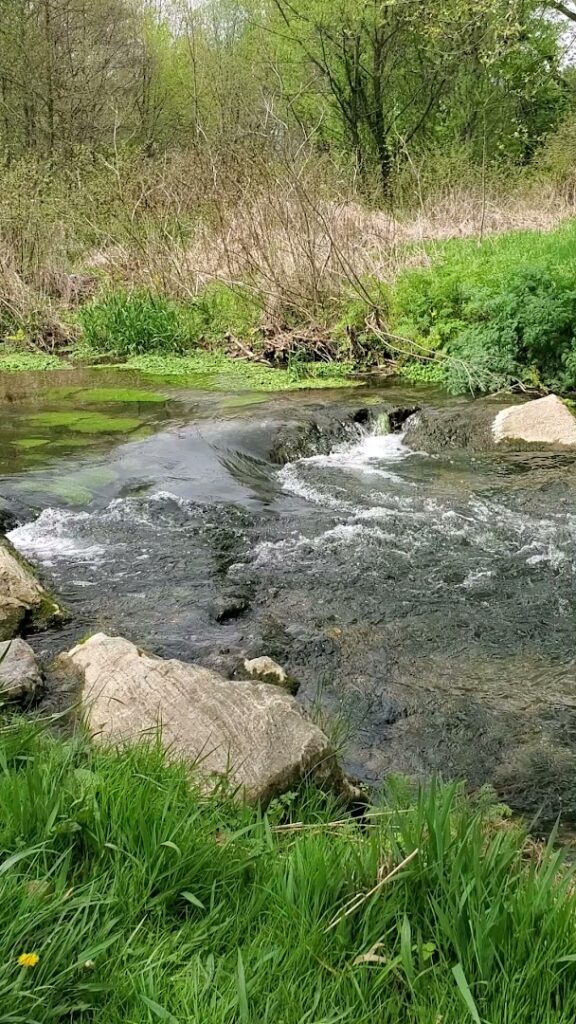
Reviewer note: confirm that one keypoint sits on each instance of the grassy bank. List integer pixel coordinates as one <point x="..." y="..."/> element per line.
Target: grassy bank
<point x="131" y="898"/>
<point x="473" y="316"/>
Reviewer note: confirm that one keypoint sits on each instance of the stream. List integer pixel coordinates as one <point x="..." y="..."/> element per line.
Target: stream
<point x="426" y="603"/>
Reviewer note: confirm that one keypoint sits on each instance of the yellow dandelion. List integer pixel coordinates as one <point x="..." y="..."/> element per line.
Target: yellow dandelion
<point x="28" y="959"/>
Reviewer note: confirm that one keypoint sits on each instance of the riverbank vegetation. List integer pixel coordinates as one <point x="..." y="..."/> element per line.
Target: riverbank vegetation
<point x="126" y="895"/>
<point x="272" y="182"/>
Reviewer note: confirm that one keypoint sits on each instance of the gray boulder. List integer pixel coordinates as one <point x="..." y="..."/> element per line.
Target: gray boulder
<point x="544" y="421"/>
<point x="23" y="599"/>
<point x="252" y="732"/>
<point x="20" y="676"/>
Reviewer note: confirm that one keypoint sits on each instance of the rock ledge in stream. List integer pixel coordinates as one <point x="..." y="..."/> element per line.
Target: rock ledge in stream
<point x="23" y="600"/>
<point x="329" y="427"/>
<point x="482" y="425"/>
<point x="252" y="732"/>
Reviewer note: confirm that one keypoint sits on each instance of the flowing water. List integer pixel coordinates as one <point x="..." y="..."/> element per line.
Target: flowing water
<point x="426" y="603"/>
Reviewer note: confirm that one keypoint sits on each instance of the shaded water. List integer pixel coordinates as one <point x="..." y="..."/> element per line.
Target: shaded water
<point x="427" y="603"/>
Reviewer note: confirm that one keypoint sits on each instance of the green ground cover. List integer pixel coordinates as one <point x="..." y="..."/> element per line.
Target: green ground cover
<point x="135" y="899"/>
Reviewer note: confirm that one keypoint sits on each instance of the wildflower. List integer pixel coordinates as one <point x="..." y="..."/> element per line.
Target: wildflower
<point x="28" y="959"/>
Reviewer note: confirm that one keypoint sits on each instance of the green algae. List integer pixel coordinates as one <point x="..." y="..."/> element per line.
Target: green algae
<point x="105" y="396"/>
<point x="63" y="489"/>
<point x="220" y="373"/>
<point x="30" y="442"/>
<point x="85" y="422"/>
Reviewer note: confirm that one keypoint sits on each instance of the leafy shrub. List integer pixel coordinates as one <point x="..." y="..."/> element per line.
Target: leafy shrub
<point x="505" y="312"/>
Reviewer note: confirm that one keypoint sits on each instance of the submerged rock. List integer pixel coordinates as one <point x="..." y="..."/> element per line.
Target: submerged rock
<point x="252" y="732"/>
<point x="23" y="599"/>
<point x="544" y="421"/>
<point x="20" y="676"/>
<point x="229" y="606"/>
<point x="268" y="671"/>
<point x="463" y="427"/>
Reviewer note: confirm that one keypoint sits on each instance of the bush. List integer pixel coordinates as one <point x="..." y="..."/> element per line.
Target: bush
<point x="135" y="323"/>
<point x="500" y="312"/>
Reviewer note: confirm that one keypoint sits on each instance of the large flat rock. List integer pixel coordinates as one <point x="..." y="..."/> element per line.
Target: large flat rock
<point x="544" y="421"/>
<point x="253" y="732"/>
<point x="23" y="599"/>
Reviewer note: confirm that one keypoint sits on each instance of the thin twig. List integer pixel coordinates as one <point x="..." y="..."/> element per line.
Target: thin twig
<point x="359" y="900"/>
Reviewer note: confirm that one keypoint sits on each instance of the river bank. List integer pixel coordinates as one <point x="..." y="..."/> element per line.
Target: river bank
<point x="127" y="895"/>
<point x="424" y="602"/>
<point x="471" y="316"/>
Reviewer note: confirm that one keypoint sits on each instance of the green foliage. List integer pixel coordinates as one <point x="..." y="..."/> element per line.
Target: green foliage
<point x="423" y="372"/>
<point x="140" y="322"/>
<point x="145" y="900"/>
<point x="137" y="322"/>
<point x="223" y="311"/>
<point x="369" y="301"/>
<point x="16" y="362"/>
<point x="500" y="312"/>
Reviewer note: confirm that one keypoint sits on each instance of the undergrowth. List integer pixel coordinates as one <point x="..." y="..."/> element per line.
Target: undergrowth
<point x="134" y="898"/>
<point x="472" y="316"/>
<point x="496" y="313"/>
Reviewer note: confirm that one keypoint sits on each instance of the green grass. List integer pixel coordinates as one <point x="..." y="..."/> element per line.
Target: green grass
<point x="146" y="901"/>
<point x="141" y="322"/>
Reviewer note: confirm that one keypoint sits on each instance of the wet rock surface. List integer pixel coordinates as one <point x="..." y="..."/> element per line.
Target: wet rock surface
<point x="253" y="734"/>
<point x="20" y="675"/>
<point x="24" y="603"/>
<point x="438" y="430"/>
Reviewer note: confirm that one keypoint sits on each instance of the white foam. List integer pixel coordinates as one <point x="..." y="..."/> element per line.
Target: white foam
<point x="52" y="538"/>
<point x="368" y="456"/>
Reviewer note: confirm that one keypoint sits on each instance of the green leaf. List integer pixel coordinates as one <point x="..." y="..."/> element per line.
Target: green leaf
<point x="465" y="992"/>
<point x="159" y="1011"/>
<point x="242" y="990"/>
<point x="193" y="900"/>
<point x="172" y="846"/>
<point x="10" y="862"/>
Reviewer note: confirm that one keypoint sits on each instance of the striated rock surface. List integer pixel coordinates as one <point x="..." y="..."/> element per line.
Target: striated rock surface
<point x="23" y="599"/>
<point x="20" y="676"/>
<point x="544" y="421"/>
<point x="253" y="732"/>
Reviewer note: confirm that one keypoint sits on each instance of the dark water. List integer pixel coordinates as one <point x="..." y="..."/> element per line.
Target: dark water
<point x="426" y="603"/>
